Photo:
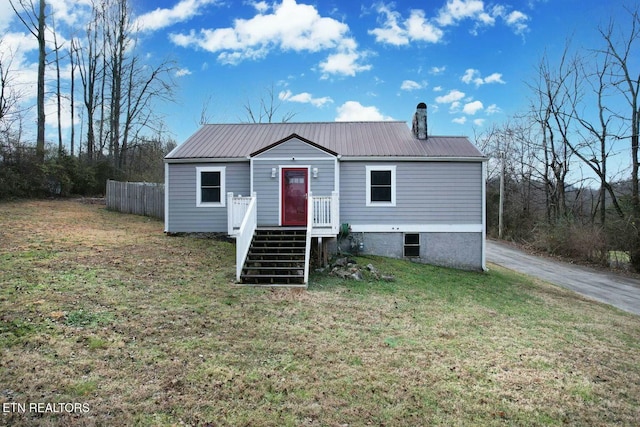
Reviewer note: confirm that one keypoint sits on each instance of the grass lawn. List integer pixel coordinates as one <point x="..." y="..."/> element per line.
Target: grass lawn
<point x="102" y="310"/>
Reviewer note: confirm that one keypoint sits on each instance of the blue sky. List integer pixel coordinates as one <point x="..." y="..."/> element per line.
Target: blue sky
<point x="469" y="60"/>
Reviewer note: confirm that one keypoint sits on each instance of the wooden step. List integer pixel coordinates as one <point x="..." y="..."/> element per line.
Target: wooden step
<point x="276" y="258"/>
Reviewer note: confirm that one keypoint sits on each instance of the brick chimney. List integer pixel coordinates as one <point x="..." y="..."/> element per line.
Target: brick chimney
<point x="419" y="126"/>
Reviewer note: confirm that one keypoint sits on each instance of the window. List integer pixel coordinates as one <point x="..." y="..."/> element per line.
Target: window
<point x="412" y="245"/>
<point x="210" y="186"/>
<point x="381" y="185"/>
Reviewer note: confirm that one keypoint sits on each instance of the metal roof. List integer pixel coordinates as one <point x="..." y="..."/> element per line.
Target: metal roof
<point x="348" y="139"/>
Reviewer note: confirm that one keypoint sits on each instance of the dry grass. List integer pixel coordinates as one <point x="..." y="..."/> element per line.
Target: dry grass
<point x="103" y="309"/>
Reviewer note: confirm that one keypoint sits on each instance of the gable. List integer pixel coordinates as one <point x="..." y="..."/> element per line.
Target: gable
<point x="293" y="146"/>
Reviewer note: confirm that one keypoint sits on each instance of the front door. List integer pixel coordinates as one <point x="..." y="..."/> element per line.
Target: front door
<point x="294" y="196"/>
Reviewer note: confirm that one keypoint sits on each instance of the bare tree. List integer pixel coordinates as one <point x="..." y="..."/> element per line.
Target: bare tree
<point x="268" y="107"/>
<point x="620" y="47"/>
<point x="56" y="50"/>
<point x="73" y="50"/>
<point x="133" y="85"/>
<point x="34" y="19"/>
<point x="594" y="148"/>
<point x="118" y="39"/>
<point x="9" y="96"/>
<point x="90" y="60"/>
<point x="204" y="111"/>
<point x="550" y="111"/>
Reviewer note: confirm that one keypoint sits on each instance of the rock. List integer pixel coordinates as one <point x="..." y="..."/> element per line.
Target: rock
<point x="357" y="275"/>
<point x="388" y="278"/>
<point x="341" y="262"/>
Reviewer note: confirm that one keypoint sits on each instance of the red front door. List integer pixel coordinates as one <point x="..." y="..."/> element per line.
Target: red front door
<point x="294" y="196"/>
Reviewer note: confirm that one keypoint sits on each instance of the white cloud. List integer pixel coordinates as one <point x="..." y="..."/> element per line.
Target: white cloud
<point x="518" y="21"/>
<point x="354" y="111"/>
<point x="452" y="96"/>
<point x="399" y="32"/>
<point x="437" y="70"/>
<point x="420" y="29"/>
<point x="473" y="76"/>
<point x="457" y="10"/>
<point x="261" y="6"/>
<point x="438" y="89"/>
<point x="460" y="120"/>
<point x="180" y="12"/>
<point x="492" y="109"/>
<point x="515" y="19"/>
<point x="304" y="98"/>
<point x="410" y="85"/>
<point x="183" y="72"/>
<point x="391" y="32"/>
<point x="343" y="63"/>
<point x="472" y="107"/>
<point x="494" y="78"/>
<point x="289" y="27"/>
<point x="6" y="16"/>
<point x="14" y="53"/>
<point x="479" y="122"/>
<point x="69" y="12"/>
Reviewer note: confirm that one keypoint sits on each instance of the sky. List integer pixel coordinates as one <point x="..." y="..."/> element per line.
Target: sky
<point x="328" y="60"/>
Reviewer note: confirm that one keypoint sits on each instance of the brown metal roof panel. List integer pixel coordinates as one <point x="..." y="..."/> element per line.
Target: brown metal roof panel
<point x="345" y="138"/>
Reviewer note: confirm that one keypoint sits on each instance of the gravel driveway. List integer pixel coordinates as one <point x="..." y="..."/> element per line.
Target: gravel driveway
<point x="611" y="288"/>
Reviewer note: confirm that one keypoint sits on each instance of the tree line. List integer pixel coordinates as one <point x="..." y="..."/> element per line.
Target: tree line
<point x="569" y="164"/>
<point x="98" y="76"/>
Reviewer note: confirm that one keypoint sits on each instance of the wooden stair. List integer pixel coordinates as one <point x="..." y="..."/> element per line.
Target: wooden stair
<point x="276" y="257"/>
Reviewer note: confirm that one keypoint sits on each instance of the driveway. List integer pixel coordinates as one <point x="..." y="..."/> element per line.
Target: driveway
<point x="611" y="288"/>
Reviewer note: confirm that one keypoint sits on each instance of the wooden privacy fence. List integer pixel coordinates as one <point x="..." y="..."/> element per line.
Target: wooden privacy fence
<point x="140" y="198"/>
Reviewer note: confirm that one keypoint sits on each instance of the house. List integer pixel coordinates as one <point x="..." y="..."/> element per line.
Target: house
<point x="371" y="187"/>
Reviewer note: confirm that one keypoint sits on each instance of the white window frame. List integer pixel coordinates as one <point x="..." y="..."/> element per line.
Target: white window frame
<point x="387" y="168"/>
<point x="223" y="194"/>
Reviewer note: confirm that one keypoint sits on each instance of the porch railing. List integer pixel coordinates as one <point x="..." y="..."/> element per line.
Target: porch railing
<point x="242" y="220"/>
<point x="237" y="207"/>
<point x="326" y="213"/>
<point x="246" y="228"/>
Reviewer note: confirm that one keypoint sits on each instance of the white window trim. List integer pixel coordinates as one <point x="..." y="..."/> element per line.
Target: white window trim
<point x="391" y="168"/>
<point x="223" y="197"/>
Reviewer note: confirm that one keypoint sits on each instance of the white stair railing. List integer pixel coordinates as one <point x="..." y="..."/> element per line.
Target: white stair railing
<point x="307" y="252"/>
<point x="236" y="209"/>
<point x="245" y="230"/>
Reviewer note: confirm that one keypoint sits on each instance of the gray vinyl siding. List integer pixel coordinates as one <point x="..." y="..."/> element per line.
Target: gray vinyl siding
<point x="268" y="189"/>
<point x="297" y="154"/>
<point x="268" y="192"/>
<point x="184" y="215"/>
<point x="426" y="193"/>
